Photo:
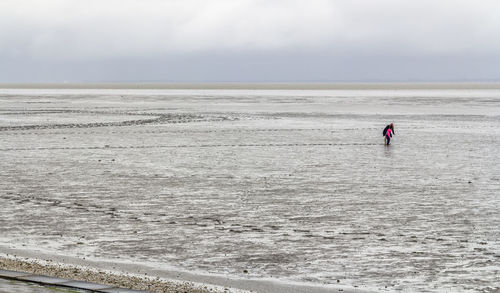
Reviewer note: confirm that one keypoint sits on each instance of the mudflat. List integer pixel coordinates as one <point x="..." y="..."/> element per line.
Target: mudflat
<point x="292" y="186"/>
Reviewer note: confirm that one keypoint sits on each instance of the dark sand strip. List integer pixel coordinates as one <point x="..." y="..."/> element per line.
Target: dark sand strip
<point x="60" y="282"/>
<point x="188" y="146"/>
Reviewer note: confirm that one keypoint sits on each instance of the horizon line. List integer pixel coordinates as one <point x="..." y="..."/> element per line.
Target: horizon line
<point x="257" y="85"/>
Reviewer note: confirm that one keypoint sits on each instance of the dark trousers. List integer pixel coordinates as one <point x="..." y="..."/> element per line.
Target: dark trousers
<point x="388" y="139"/>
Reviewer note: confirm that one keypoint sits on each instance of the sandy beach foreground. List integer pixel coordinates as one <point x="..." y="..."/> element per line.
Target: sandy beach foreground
<point x="89" y="274"/>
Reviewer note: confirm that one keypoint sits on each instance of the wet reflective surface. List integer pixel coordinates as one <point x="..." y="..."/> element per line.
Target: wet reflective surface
<point x="9" y="286"/>
<point x="284" y="184"/>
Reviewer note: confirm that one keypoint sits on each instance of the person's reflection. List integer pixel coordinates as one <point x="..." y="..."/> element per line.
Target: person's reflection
<point x="387" y="151"/>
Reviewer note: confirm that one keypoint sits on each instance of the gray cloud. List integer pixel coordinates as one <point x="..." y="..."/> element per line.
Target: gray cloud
<point x="248" y="40"/>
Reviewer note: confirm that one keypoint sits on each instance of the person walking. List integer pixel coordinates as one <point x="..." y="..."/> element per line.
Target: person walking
<point x="388" y="132"/>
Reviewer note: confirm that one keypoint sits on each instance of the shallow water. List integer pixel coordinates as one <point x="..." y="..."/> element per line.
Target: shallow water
<point x="293" y="185"/>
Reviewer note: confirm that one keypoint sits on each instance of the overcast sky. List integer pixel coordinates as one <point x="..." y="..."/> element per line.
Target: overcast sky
<point x="249" y="40"/>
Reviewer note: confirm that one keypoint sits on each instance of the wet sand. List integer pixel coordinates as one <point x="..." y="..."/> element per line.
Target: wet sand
<point x="142" y="277"/>
<point x="258" y="189"/>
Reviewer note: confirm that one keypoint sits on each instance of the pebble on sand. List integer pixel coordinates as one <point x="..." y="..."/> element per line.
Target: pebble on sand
<point x="86" y="274"/>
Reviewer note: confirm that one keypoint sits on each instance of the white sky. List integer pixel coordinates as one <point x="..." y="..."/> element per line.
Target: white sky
<point x="58" y="39"/>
